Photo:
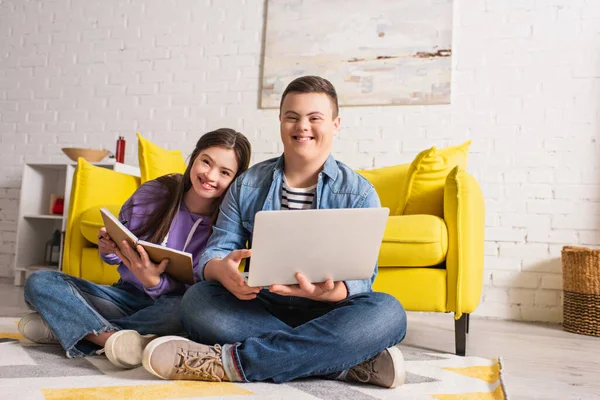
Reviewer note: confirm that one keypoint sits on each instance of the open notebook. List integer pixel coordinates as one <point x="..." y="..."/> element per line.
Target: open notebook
<point x="180" y="265"/>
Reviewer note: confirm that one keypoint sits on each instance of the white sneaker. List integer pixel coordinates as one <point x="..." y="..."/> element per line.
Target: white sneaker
<point x="34" y="329"/>
<point x="125" y="348"/>
<point x="175" y="358"/>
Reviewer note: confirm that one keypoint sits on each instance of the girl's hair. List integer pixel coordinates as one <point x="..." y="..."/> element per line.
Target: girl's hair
<point x="175" y="185"/>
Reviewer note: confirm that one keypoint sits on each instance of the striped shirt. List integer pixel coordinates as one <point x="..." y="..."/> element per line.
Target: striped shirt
<point x="297" y="198"/>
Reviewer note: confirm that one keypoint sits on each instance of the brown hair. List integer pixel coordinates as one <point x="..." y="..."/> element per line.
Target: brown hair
<point x="159" y="221"/>
<point x="312" y="84"/>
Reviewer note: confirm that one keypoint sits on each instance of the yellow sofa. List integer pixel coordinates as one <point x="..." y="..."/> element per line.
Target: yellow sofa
<point x="431" y="257"/>
<point x="433" y="261"/>
<point x="93" y="188"/>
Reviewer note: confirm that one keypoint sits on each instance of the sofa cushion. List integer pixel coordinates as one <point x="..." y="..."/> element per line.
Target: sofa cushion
<point x="388" y="182"/>
<point x="91" y="221"/>
<point x="156" y="161"/>
<point x="423" y="190"/>
<point x="414" y="241"/>
<point x="417" y="289"/>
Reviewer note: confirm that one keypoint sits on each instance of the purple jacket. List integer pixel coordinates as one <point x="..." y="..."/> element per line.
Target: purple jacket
<point x="133" y="215"/>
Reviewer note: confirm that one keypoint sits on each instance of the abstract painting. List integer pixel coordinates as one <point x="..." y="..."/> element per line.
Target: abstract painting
<point x="384" y="52"/>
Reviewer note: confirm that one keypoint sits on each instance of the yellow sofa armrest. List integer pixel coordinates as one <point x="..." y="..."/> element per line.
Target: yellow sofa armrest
<point x="464" y="214"/>
<point x="92" y="186"/>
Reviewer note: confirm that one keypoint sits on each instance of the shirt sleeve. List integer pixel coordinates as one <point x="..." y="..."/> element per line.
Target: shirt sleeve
<point x="365" y="285"/>
<point x="111" y="258"/>
<point x="228" y="232"/>
<point x="167" y="285"/>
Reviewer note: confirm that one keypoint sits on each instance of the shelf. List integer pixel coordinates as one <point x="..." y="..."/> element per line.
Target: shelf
<point x="44" y="216"/>
<point x="37" y="267"/>
<point x="63" y="165"/>
<point x="36" y="225"/>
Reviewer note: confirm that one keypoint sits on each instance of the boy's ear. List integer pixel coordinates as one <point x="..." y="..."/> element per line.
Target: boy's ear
<point x="336" y="125"/>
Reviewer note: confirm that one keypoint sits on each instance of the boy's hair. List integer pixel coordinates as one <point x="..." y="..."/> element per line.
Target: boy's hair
<point x="312" y="84"/>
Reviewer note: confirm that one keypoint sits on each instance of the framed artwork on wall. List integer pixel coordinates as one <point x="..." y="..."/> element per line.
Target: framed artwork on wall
<point x="384" y="52"/>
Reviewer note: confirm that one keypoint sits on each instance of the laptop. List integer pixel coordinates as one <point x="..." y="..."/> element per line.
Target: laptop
<point x="339" y="244"/>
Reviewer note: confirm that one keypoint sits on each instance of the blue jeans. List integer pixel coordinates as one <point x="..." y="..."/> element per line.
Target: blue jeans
<point x="74" y="308"/>
<point x="282" y="338"/>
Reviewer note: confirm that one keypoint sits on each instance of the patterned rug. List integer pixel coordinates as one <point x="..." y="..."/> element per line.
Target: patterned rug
<point x="30" y="371"/>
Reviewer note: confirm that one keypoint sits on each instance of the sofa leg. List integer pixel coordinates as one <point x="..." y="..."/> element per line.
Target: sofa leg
<point x="461" y="327"/>
<point x="468" y="321"/>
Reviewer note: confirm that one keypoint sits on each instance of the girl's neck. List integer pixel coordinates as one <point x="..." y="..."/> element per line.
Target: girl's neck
<point x="196" y="204"/>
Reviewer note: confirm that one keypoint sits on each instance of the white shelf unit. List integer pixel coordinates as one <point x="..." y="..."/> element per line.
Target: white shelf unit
<point x="35" y="224"/>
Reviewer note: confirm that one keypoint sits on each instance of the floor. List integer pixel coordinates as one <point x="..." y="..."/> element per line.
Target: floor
<point x="541" y="361"/>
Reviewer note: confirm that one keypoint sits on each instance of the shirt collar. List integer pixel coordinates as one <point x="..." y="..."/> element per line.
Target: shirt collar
<point x="330" y="168"/>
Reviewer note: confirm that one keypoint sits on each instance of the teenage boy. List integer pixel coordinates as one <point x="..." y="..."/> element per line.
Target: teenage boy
<point x="338" y="330"/>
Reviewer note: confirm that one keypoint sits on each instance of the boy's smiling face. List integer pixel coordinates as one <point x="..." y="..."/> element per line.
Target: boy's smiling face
<point x="307" y="126"/>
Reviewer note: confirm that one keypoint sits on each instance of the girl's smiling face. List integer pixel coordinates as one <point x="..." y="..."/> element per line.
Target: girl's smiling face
<point x="213" y="171"/>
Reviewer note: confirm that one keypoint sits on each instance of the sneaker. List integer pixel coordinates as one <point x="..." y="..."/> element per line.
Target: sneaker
<point x="35" y="329"/>
<point x="174" y="357"/>
<point x="385" y="369"/>
<point x="125" y="348"/>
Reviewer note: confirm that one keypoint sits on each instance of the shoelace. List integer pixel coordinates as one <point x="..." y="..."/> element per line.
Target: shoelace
<point x="363" y="372"/>
<point x="205" y="366"/>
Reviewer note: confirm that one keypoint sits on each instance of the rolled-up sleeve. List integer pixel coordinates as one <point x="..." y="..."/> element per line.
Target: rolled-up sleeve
<point x="228" y="232"/>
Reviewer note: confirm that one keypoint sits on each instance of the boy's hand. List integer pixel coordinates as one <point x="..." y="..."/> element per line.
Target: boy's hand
<point x="139" y="263"/>
<point x="325" y="291"/>
<point x="225" y="270"/>
<point x="105" y="243"/>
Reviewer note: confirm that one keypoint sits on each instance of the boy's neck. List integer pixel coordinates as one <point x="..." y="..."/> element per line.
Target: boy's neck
<point x="299" y="174"/>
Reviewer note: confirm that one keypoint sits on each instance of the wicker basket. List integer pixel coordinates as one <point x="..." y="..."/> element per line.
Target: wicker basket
<point x="581" y="285"/>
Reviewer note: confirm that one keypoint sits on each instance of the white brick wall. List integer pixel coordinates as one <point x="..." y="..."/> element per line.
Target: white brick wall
<point x="526" y="90"/>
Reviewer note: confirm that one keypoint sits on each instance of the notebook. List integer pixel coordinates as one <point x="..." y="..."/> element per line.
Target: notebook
<point x="180" y="265"/>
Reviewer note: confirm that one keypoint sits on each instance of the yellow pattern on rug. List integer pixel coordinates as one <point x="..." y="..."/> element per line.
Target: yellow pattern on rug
<point x="172" y="390"/>
<point x="490" y="374"/>
<point x="497" y="394"/>
<point x="11" y="335"/>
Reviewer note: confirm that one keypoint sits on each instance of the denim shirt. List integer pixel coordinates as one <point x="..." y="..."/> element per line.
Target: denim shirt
<point x="259" y="188"/>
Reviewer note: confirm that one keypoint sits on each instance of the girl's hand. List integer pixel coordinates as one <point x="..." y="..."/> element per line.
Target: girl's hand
<point x="105" y="243"/>
<point x="139" y="263"/>
<point x="226" y="272"/>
